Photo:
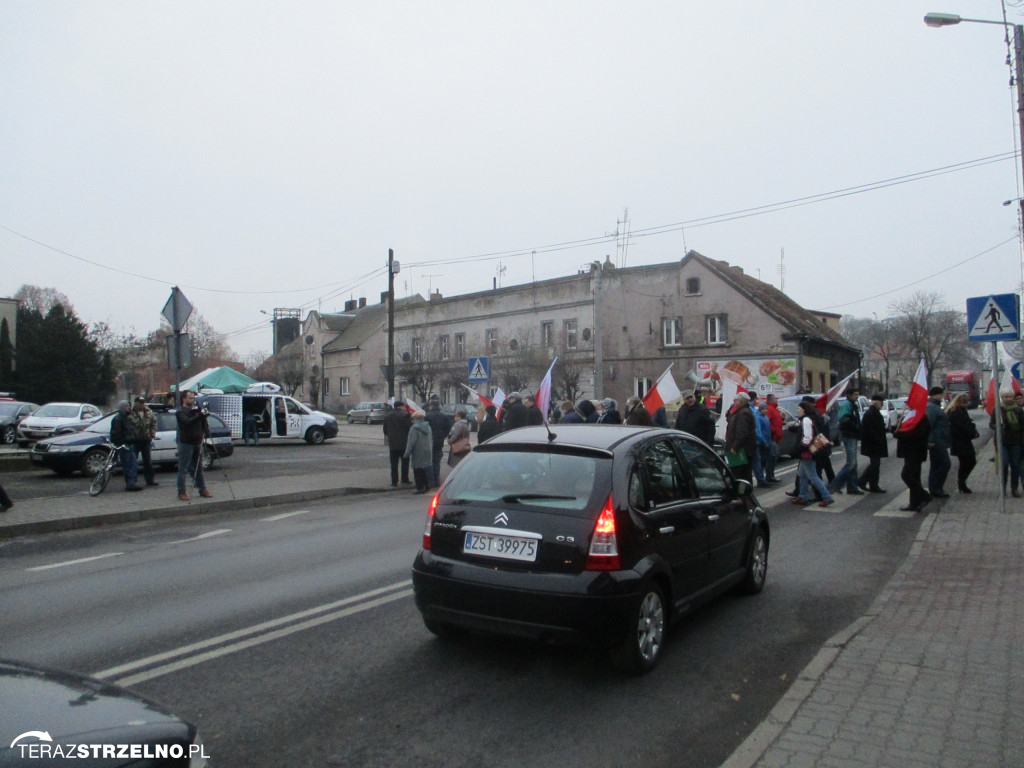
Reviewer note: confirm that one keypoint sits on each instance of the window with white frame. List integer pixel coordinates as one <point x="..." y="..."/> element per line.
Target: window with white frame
<point x="671" y="331"/>
<point x="417" y="350"/>
<point x="460" y="346"/>
<point x="442" y="346"/>
<point x="491" y="340"/>
<point x="572" y="334"/>
<point x="343" y="386"/>
<point x="717" y="328"/>
<point x="327" y="386"/>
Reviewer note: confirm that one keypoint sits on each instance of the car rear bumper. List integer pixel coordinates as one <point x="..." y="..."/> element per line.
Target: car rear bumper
<point x="590" y="607"/>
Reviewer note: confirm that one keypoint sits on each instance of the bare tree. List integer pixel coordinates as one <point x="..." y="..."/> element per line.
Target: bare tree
<point x="42" y="299"/>
<point x="422" y="368"/>
<point x="926" y="326"/>
<point x="524" y="363"/>
<point x="568" y="373"/>
<point x="878" y="340"/>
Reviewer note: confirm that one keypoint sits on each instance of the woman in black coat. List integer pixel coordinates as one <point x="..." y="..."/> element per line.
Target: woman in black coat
<point x="962" y="432"/>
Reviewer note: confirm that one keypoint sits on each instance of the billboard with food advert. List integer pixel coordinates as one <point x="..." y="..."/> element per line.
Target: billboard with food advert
<point x="764" y="376"/>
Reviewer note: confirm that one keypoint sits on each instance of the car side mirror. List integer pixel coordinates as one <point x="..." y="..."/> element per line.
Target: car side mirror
<point x="742" y="487"/>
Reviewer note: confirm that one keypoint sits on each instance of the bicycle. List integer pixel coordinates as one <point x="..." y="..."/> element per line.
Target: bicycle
<point x="101" y="478"/>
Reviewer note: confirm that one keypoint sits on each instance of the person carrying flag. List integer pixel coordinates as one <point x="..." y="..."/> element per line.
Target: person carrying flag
<point x="912" y="441"/>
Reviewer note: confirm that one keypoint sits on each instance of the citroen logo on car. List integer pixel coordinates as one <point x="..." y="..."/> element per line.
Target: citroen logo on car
<point x="501" y="518"/>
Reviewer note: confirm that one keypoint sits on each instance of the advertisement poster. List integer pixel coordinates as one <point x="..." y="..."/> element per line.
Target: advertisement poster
<point x="763" y="376"/>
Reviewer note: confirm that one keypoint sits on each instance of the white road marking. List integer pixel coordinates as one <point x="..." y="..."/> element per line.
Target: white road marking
<point x="365" y="601"/>
<point x="282" y="516"/>
<point x="73" y="562"/>
<point x="206" y="535"/>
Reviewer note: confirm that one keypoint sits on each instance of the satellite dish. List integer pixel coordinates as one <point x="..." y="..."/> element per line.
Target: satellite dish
<point x="309" y="339"/>
<point x="1014" y="349"/>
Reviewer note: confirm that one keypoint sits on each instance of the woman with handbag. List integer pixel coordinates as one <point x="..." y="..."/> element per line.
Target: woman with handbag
<point x="812" y="442"/>
<point x="458" y="439"/>
<point x="962" y="432"/>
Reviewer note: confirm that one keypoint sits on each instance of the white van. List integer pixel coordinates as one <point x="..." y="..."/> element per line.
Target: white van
<point x="276" y="415"/>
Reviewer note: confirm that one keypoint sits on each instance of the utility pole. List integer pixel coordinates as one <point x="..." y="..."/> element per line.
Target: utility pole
<point x="393" y="268"/>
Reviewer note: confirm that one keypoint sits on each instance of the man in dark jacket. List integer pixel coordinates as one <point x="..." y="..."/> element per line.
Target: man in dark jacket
<point x="534" y="417"/>
<point x="396" y="431"/>
<point x="912" y="447"/>
<point x="938" y="444"/>
<point x="192" y="430"/>
<point x="440" y="426"/>
<point x="513" y="412"/>
<point x="610" y="413"/>
<point x="741" y="436"/>
<point x="873" y="444"/>
<point x="490" y="426"/>
<point x="122" y="433"/>
<point x="586" y="409"/>
<point x="696" y="419"/>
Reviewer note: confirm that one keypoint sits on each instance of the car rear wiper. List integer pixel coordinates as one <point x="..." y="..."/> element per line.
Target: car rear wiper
<point x="511" y="498"/>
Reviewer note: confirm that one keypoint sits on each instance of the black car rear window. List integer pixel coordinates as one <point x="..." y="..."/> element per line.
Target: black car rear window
<point x="556" y="480"/>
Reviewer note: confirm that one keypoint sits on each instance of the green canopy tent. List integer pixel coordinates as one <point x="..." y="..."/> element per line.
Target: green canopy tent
<point x="223" y="378"/>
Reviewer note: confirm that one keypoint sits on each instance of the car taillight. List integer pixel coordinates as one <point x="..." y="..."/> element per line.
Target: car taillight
<point x="430" y="520"/>
<point x="604" y="546"/>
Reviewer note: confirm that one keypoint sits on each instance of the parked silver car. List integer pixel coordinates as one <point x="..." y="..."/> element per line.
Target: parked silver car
<point x="44" y="421"/>
<point x="368" y="413"/>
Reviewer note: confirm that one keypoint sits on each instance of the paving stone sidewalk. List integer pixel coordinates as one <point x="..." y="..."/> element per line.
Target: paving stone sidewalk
<point x="933" y="674"/>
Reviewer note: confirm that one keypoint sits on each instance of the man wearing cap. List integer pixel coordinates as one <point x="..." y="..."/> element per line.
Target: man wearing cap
<point x="122" y="434"/>
<point x="144" y="427"/>
<point x="513" y="412"/>
<point x="695" y="419"/>
<point x="741" y="437"/>
<point x="397" y="424"/>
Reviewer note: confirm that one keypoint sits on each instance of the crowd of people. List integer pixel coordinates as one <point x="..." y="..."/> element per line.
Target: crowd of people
<point x="754" y="430"/>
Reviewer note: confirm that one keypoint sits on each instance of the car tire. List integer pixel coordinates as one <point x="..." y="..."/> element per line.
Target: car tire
<point x="640" y="650"/>
<point x="10" y="435"/>
<point x="315" y="436"/>
<point x="348" y="419"/>
<point x="93" y="461"/>
<point x="756" y="570"/>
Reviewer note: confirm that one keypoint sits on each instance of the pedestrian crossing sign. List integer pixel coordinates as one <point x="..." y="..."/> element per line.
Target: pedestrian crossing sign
<point x="479" y="370"/>
<point x="994" y="318"/>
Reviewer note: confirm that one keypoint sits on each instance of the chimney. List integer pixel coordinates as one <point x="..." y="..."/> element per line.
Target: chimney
<point x="362" y="302"/>
<point x="384" y="297"/>
<point x="436" y="295"/>
<point x="350" y="305"/>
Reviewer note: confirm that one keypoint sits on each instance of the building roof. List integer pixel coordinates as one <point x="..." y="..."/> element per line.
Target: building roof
<point x="800" y="322"/>
<point x="368" y="320"/>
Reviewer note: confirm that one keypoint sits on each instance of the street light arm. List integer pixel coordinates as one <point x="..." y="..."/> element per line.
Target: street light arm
<point x="949" y="19"/>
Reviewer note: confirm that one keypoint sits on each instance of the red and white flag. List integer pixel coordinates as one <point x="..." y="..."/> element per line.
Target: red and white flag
<point x="1009" y="382"/>
<point x="917" y="400"/>
<point x="413" y="406"/>
<point x="826" y="401"/>
<point x="990" y="398"/>
<point x="663" y="391"/>
<point x="543" y="396"/>
<point x="496" y="401"/>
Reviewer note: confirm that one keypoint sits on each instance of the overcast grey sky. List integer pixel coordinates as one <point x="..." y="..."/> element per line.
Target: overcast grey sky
<point x="267" y="154"/>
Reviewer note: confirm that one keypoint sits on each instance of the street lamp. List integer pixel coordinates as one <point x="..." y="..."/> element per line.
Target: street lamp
<point x="949" y="19"/>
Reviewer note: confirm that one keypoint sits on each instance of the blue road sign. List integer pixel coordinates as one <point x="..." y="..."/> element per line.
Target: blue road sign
<point x="1018" y="371"/>
<point x="479" y="370"/>
<point x="994" y="318"/>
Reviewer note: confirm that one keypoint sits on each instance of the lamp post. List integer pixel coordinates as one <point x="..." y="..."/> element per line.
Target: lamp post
<point x="949" y="19"/>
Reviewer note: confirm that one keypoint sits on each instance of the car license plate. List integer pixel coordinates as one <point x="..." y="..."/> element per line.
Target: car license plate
<point x="500" y="545"/>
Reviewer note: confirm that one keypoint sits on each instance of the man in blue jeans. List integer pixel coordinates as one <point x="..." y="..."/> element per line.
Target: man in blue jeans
<point x="122" y="434"/>
<point x="849" y="431"/>
<point x="938" y="444"/>
<point x="192" y="430"/>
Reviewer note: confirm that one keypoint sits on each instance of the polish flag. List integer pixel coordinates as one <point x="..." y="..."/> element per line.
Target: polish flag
<point x="826" y="401"/>
<point x="917" y="400"/>
<point x="663" y="391"/>
<point x="413" y="406"/>
<point x="543" y="395"/>
<point x="499" y="398"/>
<point x="990" y="398"/>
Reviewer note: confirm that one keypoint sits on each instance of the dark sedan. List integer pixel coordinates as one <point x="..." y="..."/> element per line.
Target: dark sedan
<point x="601" y="535"/>
<point x="12" y="412"/>
<point x="49" y="716"/>
<point x="86" y="451"/>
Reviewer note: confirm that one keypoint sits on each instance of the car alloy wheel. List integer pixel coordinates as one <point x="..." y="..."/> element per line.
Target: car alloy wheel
<point x="93" y="461"/>
<point x="10" y="434"/>
<point x="757" y="564"/>
<point x="645" y="635"/>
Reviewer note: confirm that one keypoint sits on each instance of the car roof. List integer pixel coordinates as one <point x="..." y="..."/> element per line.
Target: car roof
<point x="605" y="437"/>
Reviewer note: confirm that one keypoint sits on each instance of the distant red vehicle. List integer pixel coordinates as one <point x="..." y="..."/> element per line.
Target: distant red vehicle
<point x="963" y="383"/>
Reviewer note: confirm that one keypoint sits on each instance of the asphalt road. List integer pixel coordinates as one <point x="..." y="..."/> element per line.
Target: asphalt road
<point x="290" y="637"/>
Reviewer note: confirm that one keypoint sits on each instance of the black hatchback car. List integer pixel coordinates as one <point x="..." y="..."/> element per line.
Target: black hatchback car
<point x="599" y="534"/>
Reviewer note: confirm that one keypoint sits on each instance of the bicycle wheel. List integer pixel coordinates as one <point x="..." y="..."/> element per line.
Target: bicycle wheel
<point x="100" y="480"/>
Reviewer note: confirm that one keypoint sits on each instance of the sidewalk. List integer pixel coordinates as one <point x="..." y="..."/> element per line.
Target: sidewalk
<point x="113" y="506"/>
<point x="933" y="675"/>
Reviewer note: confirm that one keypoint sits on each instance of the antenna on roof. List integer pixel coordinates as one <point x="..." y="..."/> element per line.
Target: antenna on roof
<point x="782" y="270"/>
